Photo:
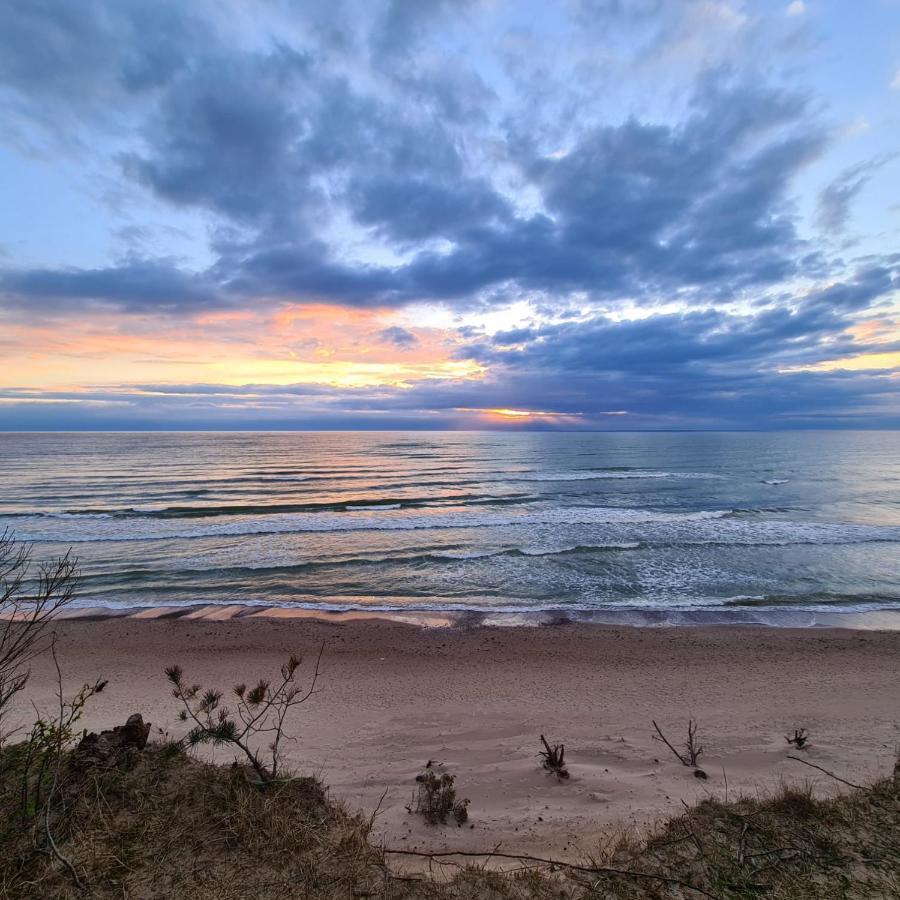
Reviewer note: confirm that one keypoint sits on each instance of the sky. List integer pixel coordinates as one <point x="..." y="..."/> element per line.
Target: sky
<point x="449" y="214"/>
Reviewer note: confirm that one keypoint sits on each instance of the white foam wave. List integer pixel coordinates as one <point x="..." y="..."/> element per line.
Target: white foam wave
<point x="571" y="548"/>
<point x="390" y="520"/>
<point x="374" y="506"/>
<point x="600" y="476"/>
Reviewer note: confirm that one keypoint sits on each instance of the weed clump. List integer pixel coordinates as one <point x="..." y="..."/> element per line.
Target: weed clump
<point x="800" y="738"/>
<point x="435" y="800"/>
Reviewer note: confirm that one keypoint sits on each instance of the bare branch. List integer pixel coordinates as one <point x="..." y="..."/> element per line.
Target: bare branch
<point x="29" y="601"/>
<point x="805" y="762"/>
<point x="591" y="870"/>
<point x="691" y="747"/>
<point x="554" y="758"/>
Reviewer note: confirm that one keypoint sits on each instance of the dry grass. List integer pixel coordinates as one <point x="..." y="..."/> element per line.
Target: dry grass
<point x="173" y="827"/>
<point x="790" y="846"/>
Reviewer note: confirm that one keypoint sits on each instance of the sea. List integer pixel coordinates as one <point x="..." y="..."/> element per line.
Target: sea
<point x="524" y="527"/>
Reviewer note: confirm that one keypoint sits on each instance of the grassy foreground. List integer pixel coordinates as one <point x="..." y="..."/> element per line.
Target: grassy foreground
<point x="166" y="825"/>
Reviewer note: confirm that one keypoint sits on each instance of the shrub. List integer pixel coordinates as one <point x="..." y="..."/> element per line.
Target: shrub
<point x="259" y="711"/>
<point x="436" y="799"/>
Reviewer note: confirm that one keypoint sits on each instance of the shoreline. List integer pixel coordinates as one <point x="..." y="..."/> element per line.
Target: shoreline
<point x="747" y="617"/>
<point x="393" y="695"/>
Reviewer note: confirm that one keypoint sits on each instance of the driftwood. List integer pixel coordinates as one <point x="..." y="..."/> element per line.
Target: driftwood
<point x="800" y="738"/>
<point x="114" y="748"/>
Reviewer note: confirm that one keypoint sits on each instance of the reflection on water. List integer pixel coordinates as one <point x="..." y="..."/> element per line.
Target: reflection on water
<point x="500" y="524"/>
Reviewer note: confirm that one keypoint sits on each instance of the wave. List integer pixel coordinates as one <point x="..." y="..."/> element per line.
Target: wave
<point x="179" y="576"/>
<point x="673" y="613"/>
<point x="817" y="598"/>
<point x="374" y="506"/>
<point x="599" y="475"/>
<point x="532" y="551"/>
<point x="748" y="511"/>
<point x="153" y="527"/>
<point x="159" y="511"/>
<point x="774" y="480"/>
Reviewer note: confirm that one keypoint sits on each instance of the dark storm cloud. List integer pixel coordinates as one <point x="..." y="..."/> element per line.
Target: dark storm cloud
<point x="698" y="203"/>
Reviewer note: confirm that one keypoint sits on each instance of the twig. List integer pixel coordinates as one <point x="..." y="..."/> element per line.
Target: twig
<point x="53" y="847"/>
<point x="744" y="829"/>
<point x="377" y="810"/>
<point x="591" y="870"/>
<point x="858" y="787"/>
<point x="662" y="737"/>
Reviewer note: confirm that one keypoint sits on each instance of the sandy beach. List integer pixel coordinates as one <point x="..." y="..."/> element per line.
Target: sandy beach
<point x="475" y="700"/>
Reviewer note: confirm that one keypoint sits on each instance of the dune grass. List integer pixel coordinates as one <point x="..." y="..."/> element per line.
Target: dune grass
<point x="171" y="826"/>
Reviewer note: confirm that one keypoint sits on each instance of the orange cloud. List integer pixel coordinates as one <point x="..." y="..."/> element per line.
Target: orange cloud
<point x="297" y="344"/>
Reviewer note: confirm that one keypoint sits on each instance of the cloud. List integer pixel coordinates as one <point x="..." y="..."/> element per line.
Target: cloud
<point x="401" y="338"/>
<point x="134" y="285"/>
<point x="225" y="137"/>
<point x="68" y="68"/>
<point x="836" y="198"/>
<point x="632" y="209"/>
<point x="297" y="155"/>
<point x="381" y="156"/>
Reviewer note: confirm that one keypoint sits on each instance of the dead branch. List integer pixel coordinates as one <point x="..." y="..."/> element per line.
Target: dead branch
<point x="800" y="738"/>
<point x="805" y="762"/>
<point x="30" y="598"/>
<point x="56" y="851"/>
<point x="554" y="758"/>
<point x="692" y="749"/>
<point x="590" y="870"/>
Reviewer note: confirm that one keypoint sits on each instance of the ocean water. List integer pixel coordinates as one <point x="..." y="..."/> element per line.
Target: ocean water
<point x="549" y="524"/>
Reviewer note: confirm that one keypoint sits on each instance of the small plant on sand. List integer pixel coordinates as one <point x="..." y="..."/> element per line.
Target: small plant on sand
<point x="692" y="749"/>
<point x="436" y="800"/>
<point x="259" y="712"/>
<point x="800" y="738"/>
<point x="554" y="758"/>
